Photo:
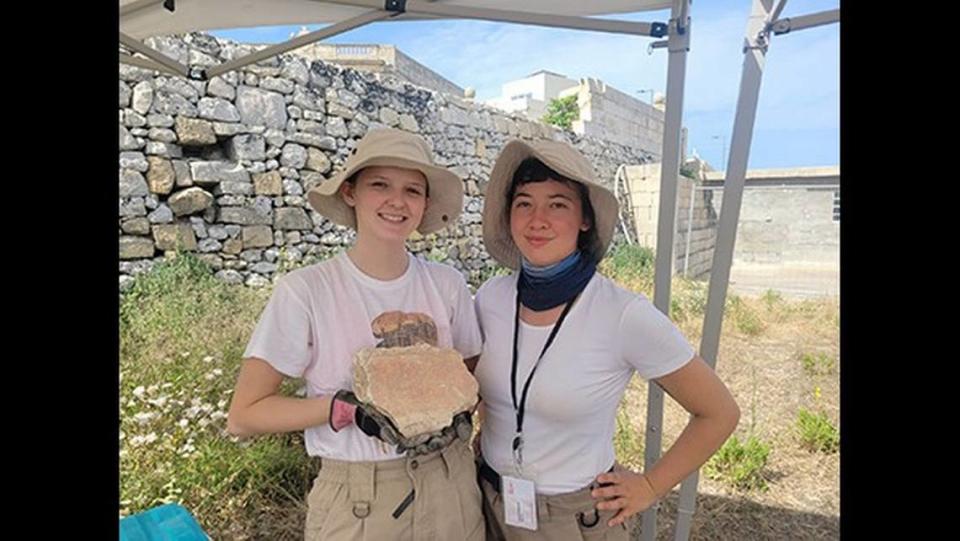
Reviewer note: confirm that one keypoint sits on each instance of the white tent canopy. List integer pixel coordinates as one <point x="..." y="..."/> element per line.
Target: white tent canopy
<point x="140" y="19"/>
<point x="144" y="18"/>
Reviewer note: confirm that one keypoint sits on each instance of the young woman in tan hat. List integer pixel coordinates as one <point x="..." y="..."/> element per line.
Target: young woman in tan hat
<point x="561" y="342"/>
<point x="319" y="316"/>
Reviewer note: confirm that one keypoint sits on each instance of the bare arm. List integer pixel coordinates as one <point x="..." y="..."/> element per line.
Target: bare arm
<point x="257" y="408"/>
<point x="715" y="414"/>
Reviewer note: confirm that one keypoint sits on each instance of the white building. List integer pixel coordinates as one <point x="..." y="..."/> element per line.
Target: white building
<point x="531" y="94"/>
<point x="605" y="111"/>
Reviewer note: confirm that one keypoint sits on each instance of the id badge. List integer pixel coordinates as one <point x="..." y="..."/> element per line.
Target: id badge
<point x="519" y="502"/>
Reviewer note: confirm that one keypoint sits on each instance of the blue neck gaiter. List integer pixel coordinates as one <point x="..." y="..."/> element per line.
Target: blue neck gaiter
<point x="542" y="288"/>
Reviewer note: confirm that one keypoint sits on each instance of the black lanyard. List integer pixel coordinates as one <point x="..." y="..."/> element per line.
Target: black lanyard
<point x="517" y="440"/>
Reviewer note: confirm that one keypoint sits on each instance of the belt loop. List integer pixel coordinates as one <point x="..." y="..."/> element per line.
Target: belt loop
<point x="544" y="509"/>
<point x="360" y="476"/>
<point x="447" y="458"/>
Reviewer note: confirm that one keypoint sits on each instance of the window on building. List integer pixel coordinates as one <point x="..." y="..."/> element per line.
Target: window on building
<point x="355" y="50"/>
<point x="836" y="205"/>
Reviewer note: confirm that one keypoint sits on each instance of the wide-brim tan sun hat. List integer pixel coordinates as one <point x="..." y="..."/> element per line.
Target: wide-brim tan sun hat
<point x="562" y="158"/>
<point x="390" y="147"/>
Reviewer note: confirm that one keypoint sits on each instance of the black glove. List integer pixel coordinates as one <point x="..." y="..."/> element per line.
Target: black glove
<point x="368" y="419"/>
<point x="461" y="427"/>
<point x="375" y="424"/>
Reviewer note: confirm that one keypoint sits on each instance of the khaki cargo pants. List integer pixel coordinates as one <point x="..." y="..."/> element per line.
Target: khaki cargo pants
<point x="560" y="517"/>
<point x="356" y="501"/>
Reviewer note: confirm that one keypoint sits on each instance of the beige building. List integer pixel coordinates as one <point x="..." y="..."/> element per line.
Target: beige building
<point x="380" y="59"/>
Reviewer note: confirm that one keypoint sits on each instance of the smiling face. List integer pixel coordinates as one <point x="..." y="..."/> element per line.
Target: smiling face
<point x="389" y="201"/>
<point x="546" y="219"/>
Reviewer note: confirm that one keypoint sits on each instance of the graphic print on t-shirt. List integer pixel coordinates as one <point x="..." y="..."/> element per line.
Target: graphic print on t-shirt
<point x="399" y="329"/>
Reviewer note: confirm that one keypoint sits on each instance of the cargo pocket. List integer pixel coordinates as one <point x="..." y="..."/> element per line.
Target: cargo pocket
<point x="321" y="500"/>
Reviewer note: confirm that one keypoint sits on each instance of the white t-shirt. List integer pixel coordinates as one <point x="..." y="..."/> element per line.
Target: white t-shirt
<point x="320" y="315"/>
<point x="571" y="407"/>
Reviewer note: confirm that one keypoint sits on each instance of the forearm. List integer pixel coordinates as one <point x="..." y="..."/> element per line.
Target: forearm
<point x="278" y="414"/>
<point x="699" y="440"/>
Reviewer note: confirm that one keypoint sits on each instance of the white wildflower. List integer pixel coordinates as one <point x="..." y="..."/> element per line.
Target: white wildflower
<point x="144" y="417"/>
<point x="159" y="401"/>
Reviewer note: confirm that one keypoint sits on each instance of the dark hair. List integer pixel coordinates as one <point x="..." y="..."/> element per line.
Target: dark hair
<point x="533" y="170"/>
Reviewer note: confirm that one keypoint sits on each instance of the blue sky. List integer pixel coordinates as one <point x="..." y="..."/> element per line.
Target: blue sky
<point x="798" y="117"/>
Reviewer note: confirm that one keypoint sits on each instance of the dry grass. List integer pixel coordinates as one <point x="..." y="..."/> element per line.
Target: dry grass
<point x="766" y="376"/>
<point x="176" y="321"/>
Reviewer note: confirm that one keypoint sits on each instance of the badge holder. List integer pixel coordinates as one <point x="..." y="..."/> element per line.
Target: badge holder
<point x="519" y="494"/>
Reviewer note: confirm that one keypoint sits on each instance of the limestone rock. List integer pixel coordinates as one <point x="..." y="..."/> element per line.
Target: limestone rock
<point x="420" y="388"/>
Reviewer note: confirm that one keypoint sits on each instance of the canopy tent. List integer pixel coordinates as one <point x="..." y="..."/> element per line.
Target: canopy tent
<point x="140" y="19"/>
<point x="144" y="18"/>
